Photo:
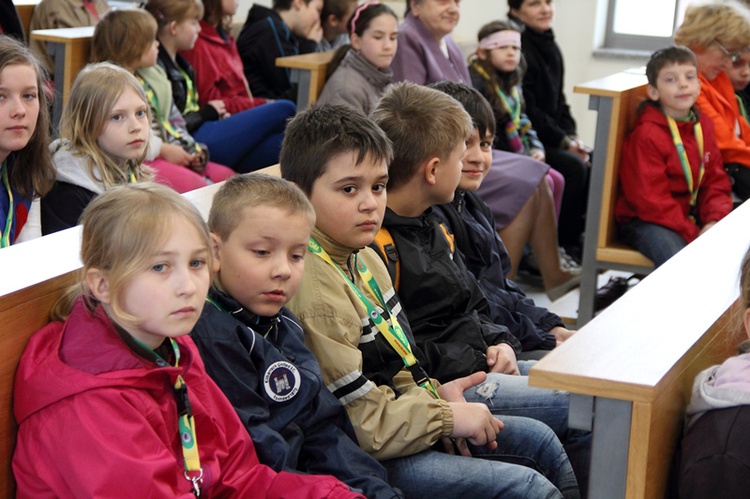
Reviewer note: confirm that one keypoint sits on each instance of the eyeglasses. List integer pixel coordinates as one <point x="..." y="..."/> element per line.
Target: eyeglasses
<point x="733" y="56"/>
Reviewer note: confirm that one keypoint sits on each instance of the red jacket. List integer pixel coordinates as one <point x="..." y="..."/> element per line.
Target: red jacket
<point x="652" y="184"/>
<point x="218" y="71"/>
<point x="718" y="102"/>
<point x="97" y="420"/>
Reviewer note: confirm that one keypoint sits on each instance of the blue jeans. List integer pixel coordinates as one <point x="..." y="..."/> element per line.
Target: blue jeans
<point x="529" y="462"/>
<point x="248" y="140"/>
<point x="655" y="241"/>
<point x="507" y="395"/>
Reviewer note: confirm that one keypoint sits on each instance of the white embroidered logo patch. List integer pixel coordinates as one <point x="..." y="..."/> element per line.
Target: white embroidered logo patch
<point x="281" y="381"/>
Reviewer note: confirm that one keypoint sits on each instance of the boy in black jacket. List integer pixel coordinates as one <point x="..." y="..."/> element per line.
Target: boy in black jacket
<point x="252" y="346"/>
<point x="473" y="226"/>
<point x="292" y="27"/>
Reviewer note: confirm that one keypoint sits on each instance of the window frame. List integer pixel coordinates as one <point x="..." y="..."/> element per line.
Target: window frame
<point x="622" y="41"/>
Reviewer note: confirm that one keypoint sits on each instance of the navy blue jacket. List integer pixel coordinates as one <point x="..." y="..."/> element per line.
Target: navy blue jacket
<point x="448" y="313"/>
<point x="276" y="387"/>
<point x="473" y="227"/>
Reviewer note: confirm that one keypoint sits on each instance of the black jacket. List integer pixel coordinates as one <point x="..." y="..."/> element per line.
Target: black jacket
<point x="193" y="119"/>
<point x="546" y="106"/>
<point x="473" y="226"/>
<point x="449" y="315"/>
<point x="264" y="37"/>
<point x="294" y="420"/>
<point x="9" y="21"/>
<point x="715" y="455"/>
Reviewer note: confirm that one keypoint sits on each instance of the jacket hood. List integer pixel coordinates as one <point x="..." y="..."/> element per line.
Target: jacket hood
<point x="380" y="78"/>
<point x="720" y="387"/>
<point x="258" y="13"/>
<point x="71" y="168"/>
<point x="83" y="353"/>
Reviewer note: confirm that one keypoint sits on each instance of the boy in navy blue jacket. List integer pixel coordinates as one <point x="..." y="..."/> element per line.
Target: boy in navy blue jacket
<point x="473" y="226"/>
<point x="253" y="347"/>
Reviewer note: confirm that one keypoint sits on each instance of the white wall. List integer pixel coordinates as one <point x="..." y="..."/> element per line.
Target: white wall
<point x="578" y="32"/>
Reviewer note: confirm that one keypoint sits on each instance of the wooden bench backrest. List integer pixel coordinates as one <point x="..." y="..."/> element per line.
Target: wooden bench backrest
<point x="648" y="346"/>
<point x="35" y="274"/>
<point x="627" y="90"/>
<point x="316" y="63"/>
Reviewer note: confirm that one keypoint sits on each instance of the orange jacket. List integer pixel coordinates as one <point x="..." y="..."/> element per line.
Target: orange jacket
<point x="717" y="101"/>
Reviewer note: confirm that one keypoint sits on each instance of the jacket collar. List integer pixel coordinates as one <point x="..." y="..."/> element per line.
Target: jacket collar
<point x="228" y="304"/>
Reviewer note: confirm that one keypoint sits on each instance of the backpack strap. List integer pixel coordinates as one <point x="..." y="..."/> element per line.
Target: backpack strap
<point x="386" y="248"/>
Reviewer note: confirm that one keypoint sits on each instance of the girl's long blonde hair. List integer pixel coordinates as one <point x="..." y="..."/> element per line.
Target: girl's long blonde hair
<point x="122" y="229"/>
<point x="94" y="94"/>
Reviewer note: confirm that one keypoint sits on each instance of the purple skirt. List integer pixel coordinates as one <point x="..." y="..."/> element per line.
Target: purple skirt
<point x="509" y="184"/>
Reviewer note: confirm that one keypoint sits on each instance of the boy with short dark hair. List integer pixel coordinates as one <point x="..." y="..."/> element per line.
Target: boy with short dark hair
<point x="290" y="27"/>
<point x="333" y="21"/>
<point x="355" y="326"/>
<point x="450" y="316"/>
<point x="673" y="186"/>
<point x="253" y="347"/>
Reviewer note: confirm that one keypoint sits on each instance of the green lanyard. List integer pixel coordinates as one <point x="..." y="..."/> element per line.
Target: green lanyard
<point x="743" y="109"/>
<point x="186" y="422"/>
<point x="192" y="96"/>
<point x="693" y="186"/>
<point x="392" y="332"/>
<point x="512" y="104"/>
<point x="171" y="130"/>
<point x="5" y="239"/>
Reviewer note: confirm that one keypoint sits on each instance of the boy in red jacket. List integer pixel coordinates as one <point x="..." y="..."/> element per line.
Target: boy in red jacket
<point x="673" y="186"/>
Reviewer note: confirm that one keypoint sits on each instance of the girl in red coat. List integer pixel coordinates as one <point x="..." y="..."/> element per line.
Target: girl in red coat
<point x="115" y="401"/>
<point x="672" y="181"/>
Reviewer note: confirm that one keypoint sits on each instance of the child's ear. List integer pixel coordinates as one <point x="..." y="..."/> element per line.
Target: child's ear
<point x="298" y="4"/>
<point x="430" y="170"/>
<point x="172" y="28"/>
<point x="333" y="21"/>
<point x="355" y="41"/>
<point x="98" y="283"/>
<point x="216" y="243"/>
<point x="652" y="93"/>
<point x="482" y="54"/>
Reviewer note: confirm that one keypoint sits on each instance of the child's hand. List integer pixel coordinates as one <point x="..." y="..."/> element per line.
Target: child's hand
<point x="315" y="33"/>
<point x="538" y="154"/>
<point x="501" y="358"/>
<point x="561" y="334"/>
<point x="453" y="391"/>
<point x="221" y="108"/>
<point x="175" y="154"/>
<point x="198" y="162"/>
<point x="706" y="227"/>
<point x="475" y="422"/>
<point x="581" y="150"/>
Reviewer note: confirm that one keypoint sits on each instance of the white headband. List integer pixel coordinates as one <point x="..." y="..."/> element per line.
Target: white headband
<point x="503" y="38"/>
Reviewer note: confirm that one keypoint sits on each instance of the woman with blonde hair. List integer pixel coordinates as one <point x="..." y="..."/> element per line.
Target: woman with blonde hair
<point x="718" y="33"/>
<point x="105" y="133"/>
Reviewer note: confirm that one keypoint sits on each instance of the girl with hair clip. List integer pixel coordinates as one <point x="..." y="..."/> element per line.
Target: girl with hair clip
<point x="25" y="165"/>
<point x="360" y="71"/>
<point x="171" y="138"/>
<point x="104" y="133"/>
<point x="219" y="77"/>
<point x="228" y="136"/>
<point x="715" y="453"/>
<point x="115" y="401"/>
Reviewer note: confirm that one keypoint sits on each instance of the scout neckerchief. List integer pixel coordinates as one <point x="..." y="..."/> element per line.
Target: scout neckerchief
<point x="164" y="120"/>
<point x="693" y="186"/>
<point x="186" y="422"/>
<point x="517" y="127"/>
<point x="392" y="331"/>
<point x="5" y="239"/>
<point x="191" y="104"/>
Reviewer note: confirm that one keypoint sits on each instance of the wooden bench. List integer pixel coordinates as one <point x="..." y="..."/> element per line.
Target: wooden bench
<point x="630" y="370"/>
<point x="35" y="274"/>
<point x="25" y="8"/>
<point x="70" y="49"/>
<point x="615" y="98"/>
<point x="308" y="71"/>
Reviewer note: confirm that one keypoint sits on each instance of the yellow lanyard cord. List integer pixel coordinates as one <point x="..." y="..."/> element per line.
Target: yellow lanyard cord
<point x="392" y="332"/>
<point x="693" y="186"/>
